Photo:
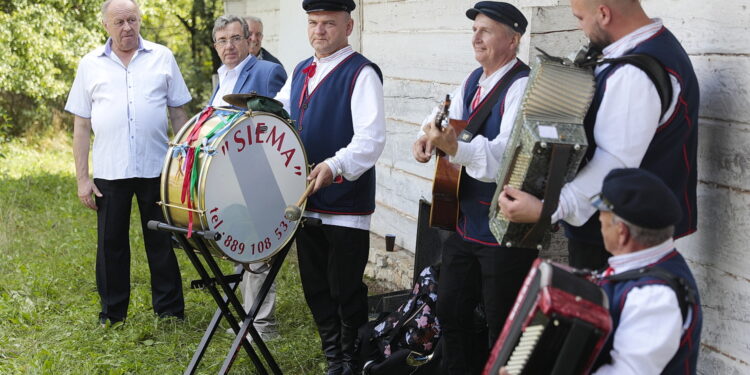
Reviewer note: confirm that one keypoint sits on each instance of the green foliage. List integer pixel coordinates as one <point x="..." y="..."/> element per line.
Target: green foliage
<point x="48" y="299"/>
<point x="41" y="42"/>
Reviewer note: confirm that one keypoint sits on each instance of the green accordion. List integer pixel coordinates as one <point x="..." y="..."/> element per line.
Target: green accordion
<point x="546" y="146"/>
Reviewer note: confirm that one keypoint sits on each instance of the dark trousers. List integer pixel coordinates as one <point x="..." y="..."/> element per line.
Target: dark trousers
<point x="587" y="255"/>
<point x="113" y="249"/>
<point x="332" y="261"/>
<point x="471" y="273"/>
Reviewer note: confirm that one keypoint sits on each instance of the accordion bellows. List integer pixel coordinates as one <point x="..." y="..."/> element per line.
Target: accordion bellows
<point x="550" y="120"/>
<point x="558" y="325"/>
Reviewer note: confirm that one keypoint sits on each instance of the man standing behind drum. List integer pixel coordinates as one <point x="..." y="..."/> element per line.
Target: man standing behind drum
<point x="242" y="72"/>
<point x="336" y="99"/>
<point x="123" y="91"/>
<point x="256" y="41"/>
<point x="475" y="267"/>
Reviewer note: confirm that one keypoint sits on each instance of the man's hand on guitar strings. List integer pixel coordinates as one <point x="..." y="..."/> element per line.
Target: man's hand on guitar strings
<point x="422" y="149"/>
<point x="519" y="206"/>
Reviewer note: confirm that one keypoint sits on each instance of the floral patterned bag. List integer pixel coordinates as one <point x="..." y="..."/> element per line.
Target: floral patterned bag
<point x="413" y="325"/>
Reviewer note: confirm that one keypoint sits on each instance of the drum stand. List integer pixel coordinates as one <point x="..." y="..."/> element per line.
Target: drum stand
<point x="229" y="305"/>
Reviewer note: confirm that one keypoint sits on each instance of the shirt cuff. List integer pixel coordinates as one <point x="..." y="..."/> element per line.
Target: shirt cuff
<point x="464" y="154"/>
<point x="335" y="167"/>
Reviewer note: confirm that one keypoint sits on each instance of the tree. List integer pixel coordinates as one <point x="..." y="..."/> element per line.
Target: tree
<point x="42" y="41"/>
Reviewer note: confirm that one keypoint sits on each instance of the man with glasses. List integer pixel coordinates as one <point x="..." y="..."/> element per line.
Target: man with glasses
<point x="123" y="91"/>
<point x="241" y="72"/>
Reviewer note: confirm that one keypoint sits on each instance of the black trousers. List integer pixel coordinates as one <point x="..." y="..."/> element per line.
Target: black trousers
<point x="113" y="249"/>
<point x="332" y="261"/>
<point x="471" y="273"/>
<point x="586" y="255"/>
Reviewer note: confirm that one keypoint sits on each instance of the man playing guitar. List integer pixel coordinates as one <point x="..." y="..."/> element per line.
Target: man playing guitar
<point x="488" y="99"/>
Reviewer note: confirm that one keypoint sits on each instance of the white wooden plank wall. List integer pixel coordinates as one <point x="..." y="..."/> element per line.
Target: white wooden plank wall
<point x="424" y="50"/>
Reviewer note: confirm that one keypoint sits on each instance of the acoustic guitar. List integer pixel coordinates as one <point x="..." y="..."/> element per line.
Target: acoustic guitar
<point x="444" y="210"/>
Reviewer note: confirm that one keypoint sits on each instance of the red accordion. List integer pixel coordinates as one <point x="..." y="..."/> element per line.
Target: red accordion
<point x="558" y="325"/>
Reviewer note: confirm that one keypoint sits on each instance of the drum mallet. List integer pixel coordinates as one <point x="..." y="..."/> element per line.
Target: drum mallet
<point x="294" y="212"/>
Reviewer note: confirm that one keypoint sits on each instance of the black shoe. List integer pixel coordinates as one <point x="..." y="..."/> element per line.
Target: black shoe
<point x="330" y="337"/>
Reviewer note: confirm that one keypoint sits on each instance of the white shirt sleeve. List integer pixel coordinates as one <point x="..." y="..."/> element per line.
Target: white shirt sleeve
<point x="625" y="125"/>
<point x="368" y="119"/>
<point x="481" y="157"/>
<point x="177" y="91"/>
<point x="284" y="95"/>
<point x="649" y="332"/>
<point x="79" y="98"/>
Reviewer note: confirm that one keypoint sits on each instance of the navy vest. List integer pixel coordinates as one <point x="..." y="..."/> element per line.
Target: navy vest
<point x="673" y="151"/>
<point x="684" y="361"/>
<point x="324" y="121"/>
<point x="474" y="196"/>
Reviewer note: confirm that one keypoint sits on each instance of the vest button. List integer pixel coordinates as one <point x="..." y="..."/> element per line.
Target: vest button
<point x="304" y="106"/>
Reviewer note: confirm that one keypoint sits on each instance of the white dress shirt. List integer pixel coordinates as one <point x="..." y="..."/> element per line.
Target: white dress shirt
<point x="227" y="81"/>
<point x="368" y="141"/>
<point x="481" y="157"/>
<point x="128" y="108"/>
<point x="650" y="327"/>
<point x="625" y="125"/>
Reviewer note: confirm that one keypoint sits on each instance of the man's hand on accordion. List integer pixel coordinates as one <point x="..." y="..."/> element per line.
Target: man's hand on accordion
<point x="519" y="206"/>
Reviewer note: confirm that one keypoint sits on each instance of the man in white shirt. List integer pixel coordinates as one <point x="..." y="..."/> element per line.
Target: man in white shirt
<point x="123" y="92"/>
<point x="626" y="126"/>
<point x="242" y="72"/>
<point x="653" y="332"/>
<point x="475" y="267"/>
<point x="336" y="99"/>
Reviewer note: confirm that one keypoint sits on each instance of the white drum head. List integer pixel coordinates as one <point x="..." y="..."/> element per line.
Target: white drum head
<point x="258" y="169"/>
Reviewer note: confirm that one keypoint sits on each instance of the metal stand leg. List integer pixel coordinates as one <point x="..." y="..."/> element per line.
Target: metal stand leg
<point x="227" y="302"/>
<point x="248" y="325"/>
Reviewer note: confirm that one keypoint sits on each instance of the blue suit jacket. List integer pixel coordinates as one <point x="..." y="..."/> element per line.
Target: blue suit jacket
<point x="263" y="77"/>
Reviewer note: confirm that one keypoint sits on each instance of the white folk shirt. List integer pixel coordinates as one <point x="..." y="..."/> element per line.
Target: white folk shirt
<point x="368" y="119"/>
<point x="128" y="108"/>
<point x="227" y="81"/>
<point x="650" y="327"/>
<point x="481" y="157"/>
<point x="625" y="125"/>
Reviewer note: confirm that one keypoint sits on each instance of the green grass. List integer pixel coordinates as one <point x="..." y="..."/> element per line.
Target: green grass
<point x="48" y="299"/>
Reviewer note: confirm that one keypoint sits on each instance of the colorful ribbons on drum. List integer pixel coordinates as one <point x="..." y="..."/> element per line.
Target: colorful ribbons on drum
<point x="190" y="181"/>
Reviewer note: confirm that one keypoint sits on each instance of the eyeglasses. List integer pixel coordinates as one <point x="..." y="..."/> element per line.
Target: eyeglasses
<point x="601" y="203"/>
<point x="233" y="40"/>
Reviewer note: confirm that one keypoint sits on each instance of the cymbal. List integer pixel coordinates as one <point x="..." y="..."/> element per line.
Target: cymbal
<point x="240" y="100"/>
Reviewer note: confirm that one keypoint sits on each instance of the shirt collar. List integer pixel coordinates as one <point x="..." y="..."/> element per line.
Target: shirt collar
<point x="490" y="80"/>
<point x="340" y="54"/>
<point x="630" y="41"/>
<point x="224" y="70"/>
<point x="641" y="258"/>
<point x="107" y="48"/>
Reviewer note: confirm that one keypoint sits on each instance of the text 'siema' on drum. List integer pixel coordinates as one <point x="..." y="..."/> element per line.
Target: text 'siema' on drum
<point x="248" y="167"/>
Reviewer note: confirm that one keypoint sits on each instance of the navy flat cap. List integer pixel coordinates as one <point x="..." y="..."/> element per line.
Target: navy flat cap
<point x="329" y="5"/>
<point x="501" y="12"/>
<point x="639" y="197"/>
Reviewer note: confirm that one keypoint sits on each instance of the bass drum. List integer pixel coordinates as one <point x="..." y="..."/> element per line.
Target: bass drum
<point x="250" y="167"/>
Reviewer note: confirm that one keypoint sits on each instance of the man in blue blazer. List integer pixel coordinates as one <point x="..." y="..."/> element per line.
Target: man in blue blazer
<point x="241" y="72"/>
